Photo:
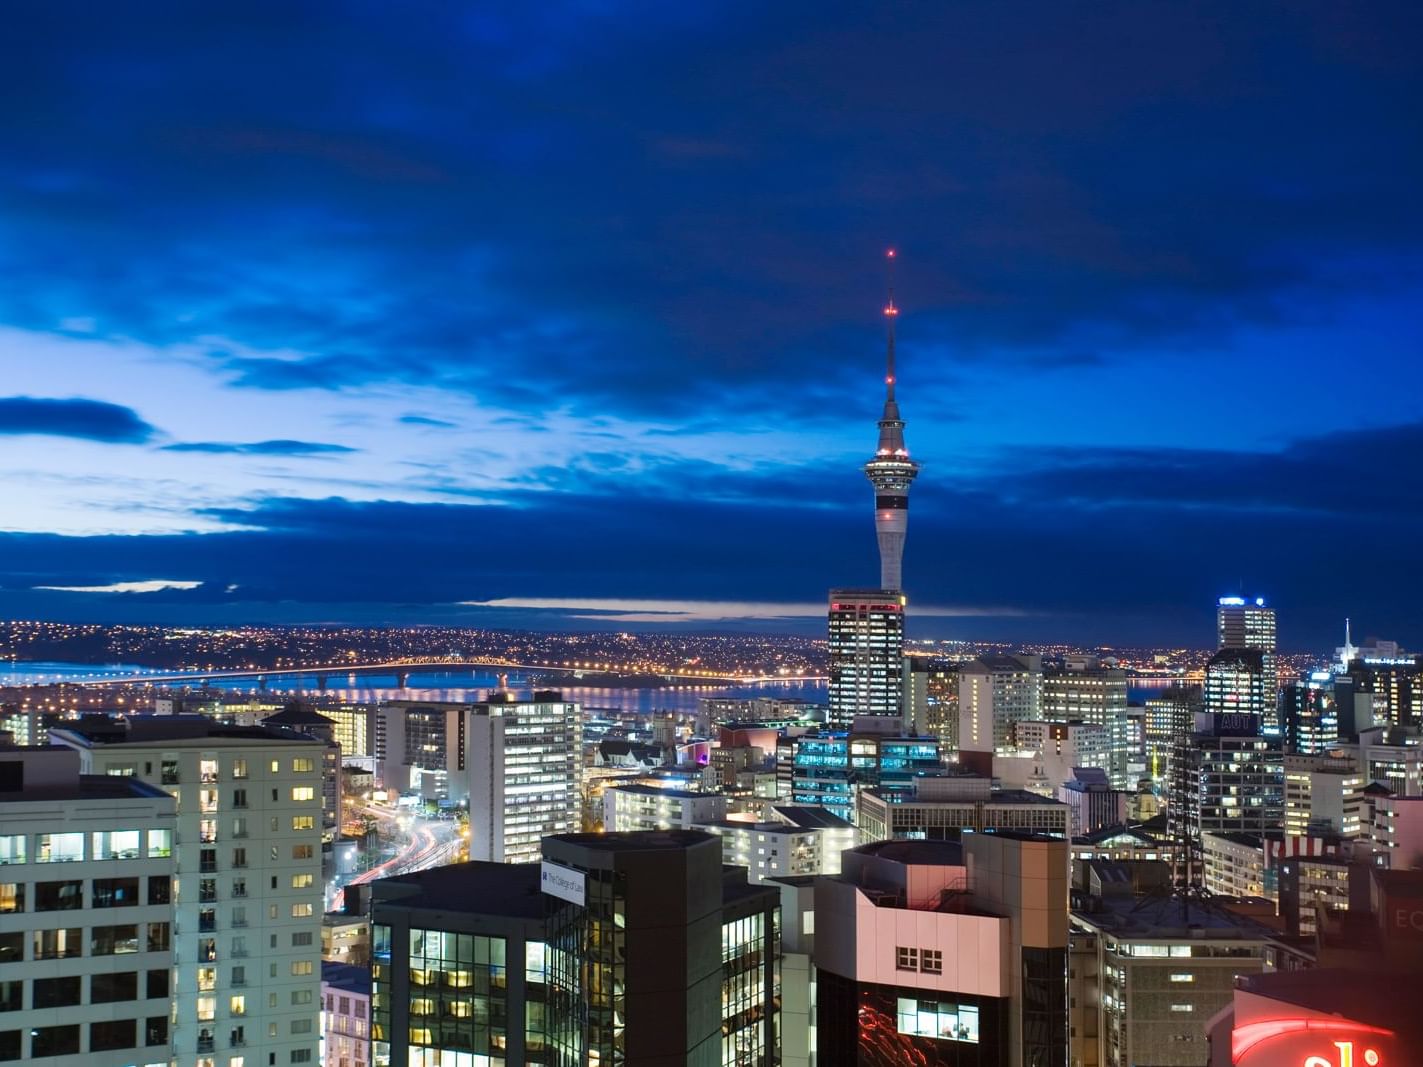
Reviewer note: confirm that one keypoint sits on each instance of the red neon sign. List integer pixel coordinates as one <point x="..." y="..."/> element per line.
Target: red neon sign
<point x="1361" y="1047"/>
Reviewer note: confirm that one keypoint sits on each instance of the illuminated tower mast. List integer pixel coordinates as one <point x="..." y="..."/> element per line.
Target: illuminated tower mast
<point x="891" y="470"/>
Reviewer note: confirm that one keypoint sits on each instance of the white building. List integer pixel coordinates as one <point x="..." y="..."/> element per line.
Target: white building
<point x="247" y="899"/>
<point x="646" y="807"/>
<point x="793" y="841"/>
<point x="1323" y="795"/>
<point x="1235" y="865"/>
<point x="345" y="1015"/>
<point x="86" y="947"/>
<point x="522" y="771"/>
<point x="996" y="693"/>
<point x="866" y="654"/>
<point x="1084" y="691"/>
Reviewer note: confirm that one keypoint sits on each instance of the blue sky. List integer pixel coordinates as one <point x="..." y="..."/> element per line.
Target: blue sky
<point x="568" y="315"/>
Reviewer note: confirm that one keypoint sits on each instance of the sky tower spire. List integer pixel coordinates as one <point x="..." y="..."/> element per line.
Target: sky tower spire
<point x="891" y="470"/>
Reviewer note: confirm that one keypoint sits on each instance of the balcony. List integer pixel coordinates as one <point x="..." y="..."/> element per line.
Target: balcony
<point x="205" y="1042"/>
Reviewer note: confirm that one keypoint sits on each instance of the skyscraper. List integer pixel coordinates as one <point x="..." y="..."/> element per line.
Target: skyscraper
<point x="866" y="653"/>
<point x="891" y="471"/>
<point x="1245" y="623"/>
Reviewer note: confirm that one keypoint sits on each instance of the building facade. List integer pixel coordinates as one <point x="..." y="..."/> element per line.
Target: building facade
<point x="247" y="889"/>
<point x="86" y="914"/>
<point x="866" y="656"/>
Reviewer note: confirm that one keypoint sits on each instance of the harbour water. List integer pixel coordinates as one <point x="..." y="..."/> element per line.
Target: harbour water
<point x="443" y="684"/>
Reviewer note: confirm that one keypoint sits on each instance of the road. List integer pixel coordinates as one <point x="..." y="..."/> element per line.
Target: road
<point x="425" y="843"/>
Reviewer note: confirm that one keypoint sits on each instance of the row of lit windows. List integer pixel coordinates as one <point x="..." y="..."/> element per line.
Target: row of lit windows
<point x="69" y="847"/>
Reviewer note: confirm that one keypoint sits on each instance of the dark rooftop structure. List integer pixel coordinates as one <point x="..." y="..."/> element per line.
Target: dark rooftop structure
<point x="808" y="818"/>
<point x="156" y="729"/>
<point x="347" y="977"/>
<point x="505" y="889"/>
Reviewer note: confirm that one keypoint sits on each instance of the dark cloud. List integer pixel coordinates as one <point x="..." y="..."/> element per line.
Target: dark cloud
<point x="88" y="420"/>
<point x="261" y="448"/>
<point x="593" y="215"/>
<point x="1098" y="556"/>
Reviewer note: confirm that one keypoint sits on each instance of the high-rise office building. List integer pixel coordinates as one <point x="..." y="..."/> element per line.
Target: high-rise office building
<point x="891" y="471"/>
<point x="995" y="693"/>
<point x="1309" y="715"/>
<point x="828" y="768"/>
<point x="1237" y="684"/>
<point x="1166" y="717"/>
<point x="1083" y="690"/>
<point x="86" y="914"/>
<point x="523" y="762"/>
<point x="247" y="893"/>
<point x="618" y="948"/>
<point x="1245" y="623"/>
<point x="866" y="654"/>
<point x="1324" y="796"/>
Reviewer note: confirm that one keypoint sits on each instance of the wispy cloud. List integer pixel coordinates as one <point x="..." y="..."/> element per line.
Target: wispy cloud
<point x="261" y="448"/>
<point x="149" y="585"/>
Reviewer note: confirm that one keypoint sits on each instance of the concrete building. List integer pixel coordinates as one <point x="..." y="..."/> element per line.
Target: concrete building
<point x="1165" y="966"/>
<point x="948" y="809"/>
<point x="644" y="807"/>
<point x="1324" y="795"/>
<point x="1245" y="623"/>
<point x="802" y="841"/>
<point x="345" y="1015"/>
<point x="866" y="655"/>
<point x="939" y="953"/>
<point x="353" y="728"/>
<point x="1085" y="691"/>
<point x="86" y="913"/>
<point x="995" y="694"/>
<point x="617" y="948"/>
<point x="247" y="896"/>
<point x="1091" y="801"/>
<point x="1398" y="832"/>
<point x="1055" y="750"/>
<point x="1235" y="865"/>
<point x="1391" y="756"/>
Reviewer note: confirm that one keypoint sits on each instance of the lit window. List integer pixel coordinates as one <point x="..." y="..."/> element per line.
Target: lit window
<point x="1183" y="977"/>
<point x="303" y="792"/>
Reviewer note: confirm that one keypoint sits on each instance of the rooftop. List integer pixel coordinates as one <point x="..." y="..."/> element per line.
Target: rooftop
<point x="1158" y="915"/>
<point x="509" y="890"/>
<point x="637" y="840"/>
<point x="88" y="787"/>
<point x="652" y="790"/>
<point x="912" y="853"/>
<point x="346" y="977"/>
<point x="157" y="729"/>
<point x="812" y="818"/>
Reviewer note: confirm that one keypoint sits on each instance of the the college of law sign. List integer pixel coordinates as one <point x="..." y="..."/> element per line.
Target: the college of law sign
<point x="1314" y="1042"/>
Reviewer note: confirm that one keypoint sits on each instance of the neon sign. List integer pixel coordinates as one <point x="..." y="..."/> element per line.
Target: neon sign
<point x="1312" y="1042"/>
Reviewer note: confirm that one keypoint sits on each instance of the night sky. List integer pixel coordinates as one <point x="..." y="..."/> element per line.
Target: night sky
<point x="384" y="312"/>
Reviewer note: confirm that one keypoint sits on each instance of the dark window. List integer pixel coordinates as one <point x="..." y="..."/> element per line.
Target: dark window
<point x="108" y="988"/>
<point x="116" y="893"/>
<point x="12" y="996"/>
<point x="57" y="992"/>
<point x="115" y="940"/>
<point x="54" y="1041"/>
<point x="155" y="1030"/>
<point x="118" y="1033"/>
<point x="58" y="944"/>
<point x="158" y="937"/>
<point x="160" y="889"/>
<point x="12" y="948"/>
<point x="207" y="860"/>
<point x="169" y="774"/>
<point x="9" y="1044"/>
<point x="12" y="776"/>
<point x="59" y="896"/>
<point x="157" y="984"/>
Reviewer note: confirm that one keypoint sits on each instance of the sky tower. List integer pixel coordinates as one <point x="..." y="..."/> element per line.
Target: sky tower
<point x="891" y="471"/>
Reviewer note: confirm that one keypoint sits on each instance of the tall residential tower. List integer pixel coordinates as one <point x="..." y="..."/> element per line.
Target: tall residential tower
<point x="891" y="471"/>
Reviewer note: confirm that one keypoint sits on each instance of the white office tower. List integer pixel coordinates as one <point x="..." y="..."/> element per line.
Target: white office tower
<point x="86" y="951"/>
<point x="523" y="763"/>
<point x="1084" y="690"/>
<point x="1324" y="796"/>
<point x="866" y="654"/>
<point x="247" y="900"/>
<point x="995" y="694"/>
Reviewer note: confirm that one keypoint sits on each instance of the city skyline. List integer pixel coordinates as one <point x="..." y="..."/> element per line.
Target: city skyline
<point x="564" y="319"/>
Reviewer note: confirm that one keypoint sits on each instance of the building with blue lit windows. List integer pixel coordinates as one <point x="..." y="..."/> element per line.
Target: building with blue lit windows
<point x="829" y="768"/>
